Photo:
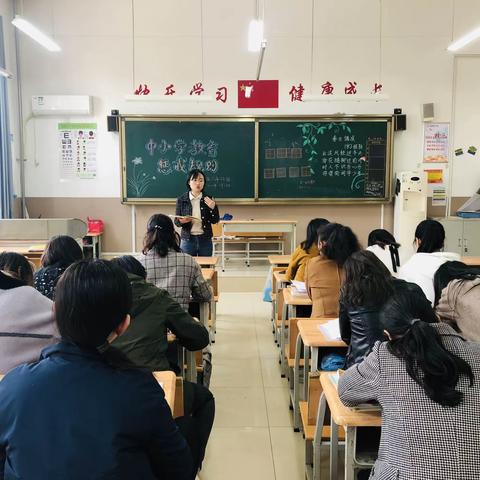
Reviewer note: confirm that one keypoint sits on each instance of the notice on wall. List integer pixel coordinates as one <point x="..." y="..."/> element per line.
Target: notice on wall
<point x="437" y="185"/>
<point x="435" y="142"/>
<point x="78" y="150"/>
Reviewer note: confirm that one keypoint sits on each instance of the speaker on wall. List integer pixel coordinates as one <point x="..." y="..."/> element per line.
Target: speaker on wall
<point x="399" y="120"/>
<point x="112" y="121"/>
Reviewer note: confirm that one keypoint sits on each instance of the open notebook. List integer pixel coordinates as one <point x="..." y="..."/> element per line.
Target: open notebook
<point x="331" y="329"/>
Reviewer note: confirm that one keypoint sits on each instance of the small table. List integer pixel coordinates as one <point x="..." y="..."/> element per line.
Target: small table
<point x="313" y="340"/>
<point x="211" y="276"/>
<point x="258" y="226"/>
<point x="289" y="310"/>
<point x="471" y="261"/>
<point x="279" y="260"/>
<point x="167" y="380"/>
<point x="207" y="262"/>
<point x="350" y="419"/>
<point x="93" y="241"/>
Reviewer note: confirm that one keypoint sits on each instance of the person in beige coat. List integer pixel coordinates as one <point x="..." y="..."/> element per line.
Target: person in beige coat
<point x="323" y="274"/>
<point x="305" y="251"/>
<point x="457" y="298"/>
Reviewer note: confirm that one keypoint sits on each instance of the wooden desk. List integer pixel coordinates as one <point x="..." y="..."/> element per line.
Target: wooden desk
<point x="350" y="419"/>
<point x="258" y="226"/>
<point x="32" y="250"/>
<point x="211" y="276"/>
<point x="167" y="379"/>
<point x="279" y="260"/>
<point x="207" y="262"/>
<point x="313" y="340"/>
<point x="289" y="310"/>
<point x="471" y="261"/>
<point x="280" y="278"/>
<point x="93" y="241"/>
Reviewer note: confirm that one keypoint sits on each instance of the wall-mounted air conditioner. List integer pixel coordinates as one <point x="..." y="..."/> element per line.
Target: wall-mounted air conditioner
<point x="61" y="105"/>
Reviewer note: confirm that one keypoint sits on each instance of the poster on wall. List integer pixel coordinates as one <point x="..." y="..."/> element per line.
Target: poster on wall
<point x="435" y="142"/>
<point x="437" y="185"/>
<point x="78" y="150"/>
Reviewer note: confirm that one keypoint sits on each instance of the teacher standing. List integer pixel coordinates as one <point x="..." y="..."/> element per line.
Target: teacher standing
<point x="196" y="235"/>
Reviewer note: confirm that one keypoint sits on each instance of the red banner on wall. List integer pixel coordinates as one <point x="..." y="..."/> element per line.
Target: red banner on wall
<point x="258" y="94"/>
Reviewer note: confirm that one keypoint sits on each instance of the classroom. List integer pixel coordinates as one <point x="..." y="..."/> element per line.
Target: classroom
<point x="239" y="240"/>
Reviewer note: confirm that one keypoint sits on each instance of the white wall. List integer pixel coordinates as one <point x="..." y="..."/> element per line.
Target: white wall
<point x="110" y="46"/>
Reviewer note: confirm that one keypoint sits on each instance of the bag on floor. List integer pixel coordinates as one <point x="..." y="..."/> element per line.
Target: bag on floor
<point x="267" y="289"/>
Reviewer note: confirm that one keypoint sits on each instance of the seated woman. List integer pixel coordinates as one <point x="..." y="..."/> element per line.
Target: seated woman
<point x="26" y="316"/>
<point x="145" y="345"/>
<point x="168" y="268"/>
<point x="383" y="244"/>
<point x="421" y="267"/>
<point x="305" y="251"/>
<point x="426" y="379"/>
<point x="101" y="421"/>
<point x="60" y="253"/>
<point x="323" y="274"/>
<point x="366" y="287"/>
<point x="457" y="298"/>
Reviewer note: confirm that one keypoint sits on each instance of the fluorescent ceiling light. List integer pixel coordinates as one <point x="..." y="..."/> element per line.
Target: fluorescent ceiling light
<point x="5" y="73"/>
<point x="255" y="35"/>
<point x="465" y="40"/>
<point x="33" y="32"/>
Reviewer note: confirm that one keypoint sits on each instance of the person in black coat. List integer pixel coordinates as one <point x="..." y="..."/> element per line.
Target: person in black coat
<point x="200" y="211"/>
<point x="72" y="414"/>
<point x="367" y="285"/>
<point x="60" y="253"/>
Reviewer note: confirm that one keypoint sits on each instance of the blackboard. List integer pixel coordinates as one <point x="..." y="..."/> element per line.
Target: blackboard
<point x="343" y="159"/>
<point x="158" y="153"/>
<point x="262" y="159"/>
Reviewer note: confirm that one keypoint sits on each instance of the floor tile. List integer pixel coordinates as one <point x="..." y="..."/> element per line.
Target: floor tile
<point x="239" y="454"/>
<point x="278" y="412"/>
<point x="240" y="407"/>
<point x="233" y="372"/>
<point x="288" y="453"/>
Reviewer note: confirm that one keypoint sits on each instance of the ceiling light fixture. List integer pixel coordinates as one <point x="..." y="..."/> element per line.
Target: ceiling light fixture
<point x="33" y="32"/>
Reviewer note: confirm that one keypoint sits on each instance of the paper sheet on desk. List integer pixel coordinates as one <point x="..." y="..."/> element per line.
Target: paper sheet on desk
<point x="299" y="288"/>
<point x="331" y="329"/>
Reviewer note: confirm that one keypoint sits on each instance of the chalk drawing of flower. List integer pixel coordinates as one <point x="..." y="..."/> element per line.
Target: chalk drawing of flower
<point x="139" y="181"/>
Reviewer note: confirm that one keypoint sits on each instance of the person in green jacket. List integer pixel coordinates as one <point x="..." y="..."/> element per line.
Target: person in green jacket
<point x="145" y="345"/>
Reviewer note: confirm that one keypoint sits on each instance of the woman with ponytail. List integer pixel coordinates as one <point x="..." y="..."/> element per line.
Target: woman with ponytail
<point x="367" y="285"/>
<point x="323" y="274"/>
<point x="421" y="267"/>
<point x="426" y="378"/>
<point x="383" y="244"/>
<point x="167" y="267"/>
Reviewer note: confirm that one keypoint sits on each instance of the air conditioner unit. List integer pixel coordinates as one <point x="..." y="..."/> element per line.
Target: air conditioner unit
<point x="61" y="105"/>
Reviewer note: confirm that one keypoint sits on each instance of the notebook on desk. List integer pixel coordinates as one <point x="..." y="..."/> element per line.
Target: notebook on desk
<point x="331" y="329"/>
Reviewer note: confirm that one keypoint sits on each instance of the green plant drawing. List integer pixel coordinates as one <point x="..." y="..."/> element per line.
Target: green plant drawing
<point x="139" y="181"/>
<point x="310" y="134"/>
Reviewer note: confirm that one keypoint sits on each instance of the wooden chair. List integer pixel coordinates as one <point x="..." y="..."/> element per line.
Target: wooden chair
<point x="309" y="412"/>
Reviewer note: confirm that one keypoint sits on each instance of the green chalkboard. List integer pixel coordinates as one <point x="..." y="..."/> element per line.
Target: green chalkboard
<point x="157" y="154"/>
<point x="339" y="159"/>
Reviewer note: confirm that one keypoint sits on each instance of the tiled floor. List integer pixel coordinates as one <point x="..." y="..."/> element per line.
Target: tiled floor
<point x="252" y="438"/>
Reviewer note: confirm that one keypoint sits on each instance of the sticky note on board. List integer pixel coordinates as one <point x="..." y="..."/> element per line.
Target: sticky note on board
<point x="472" y="150"/>
<point x="458" y="152"/>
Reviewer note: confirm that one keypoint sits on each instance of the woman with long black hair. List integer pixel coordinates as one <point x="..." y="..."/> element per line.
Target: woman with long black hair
<point x="426" y="379"/>
<point x="421" y="267"/>
<point x="305" y="251"/>
<point x="383" y="244"/>
<point x="367" y="285"/>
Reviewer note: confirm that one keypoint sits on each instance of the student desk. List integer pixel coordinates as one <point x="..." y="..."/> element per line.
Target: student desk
<point x="211" y="276"/>
<point x="32" y="250"/>
<point x="471" y="261"/>
<point x="289" y="310"/>
<point x="350" y="419"/>
<point x="279" y="260"/>
<point x="207" y="262"/>
<point x="278" y="283"/>
<point x="313" y="340"/>
<point x="167" y="381"/>
<point x="258" y="226"/>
